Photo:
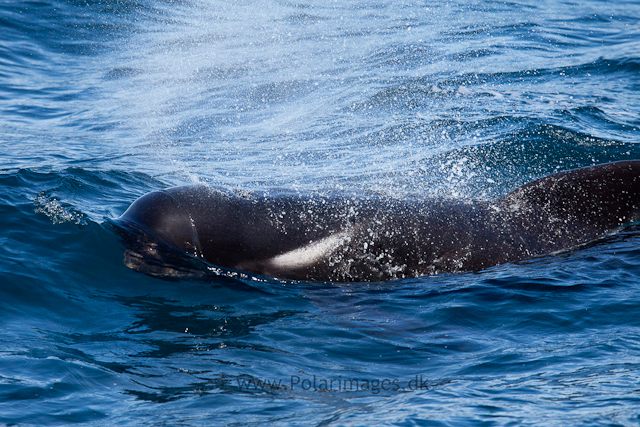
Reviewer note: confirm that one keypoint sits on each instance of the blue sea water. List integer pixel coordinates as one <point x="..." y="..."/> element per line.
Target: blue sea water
<point x="103" y="101"/>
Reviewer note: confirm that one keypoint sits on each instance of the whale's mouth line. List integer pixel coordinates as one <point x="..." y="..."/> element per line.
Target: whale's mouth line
<point x="148" y="253"/>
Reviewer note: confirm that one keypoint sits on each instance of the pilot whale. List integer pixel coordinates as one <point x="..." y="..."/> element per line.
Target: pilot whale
<point x="351" y="237"/>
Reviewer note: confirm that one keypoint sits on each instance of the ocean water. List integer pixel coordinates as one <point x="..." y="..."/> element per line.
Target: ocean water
<point x="103" y="101"/>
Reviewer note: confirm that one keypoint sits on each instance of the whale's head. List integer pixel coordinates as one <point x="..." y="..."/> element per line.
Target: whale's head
<point x="158" y="231"/>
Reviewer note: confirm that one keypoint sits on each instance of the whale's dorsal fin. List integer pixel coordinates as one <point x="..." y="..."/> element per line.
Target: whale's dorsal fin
<point x="606" y="195"/>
